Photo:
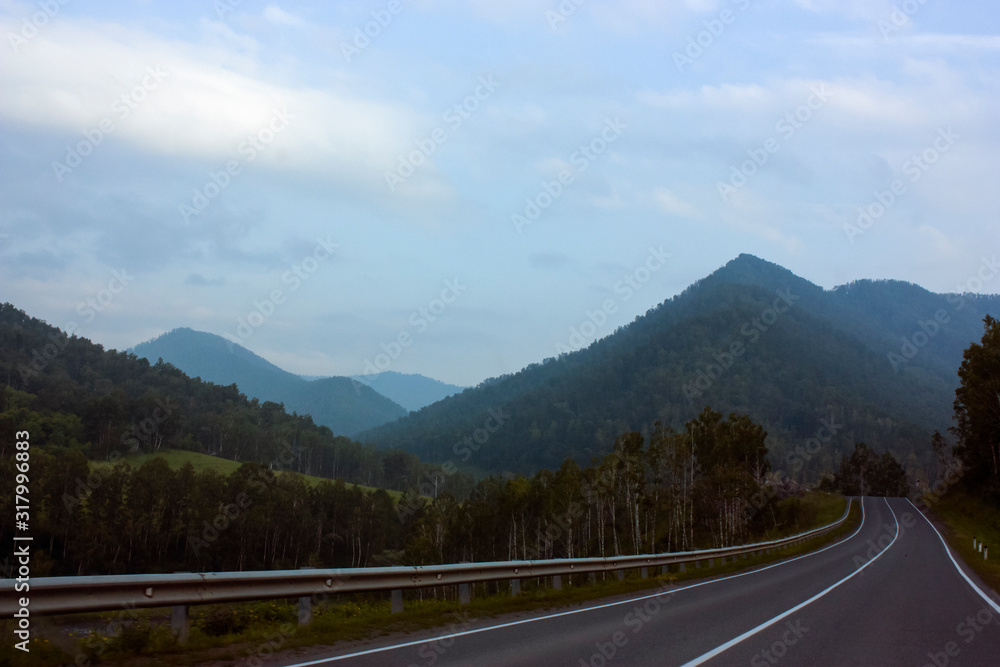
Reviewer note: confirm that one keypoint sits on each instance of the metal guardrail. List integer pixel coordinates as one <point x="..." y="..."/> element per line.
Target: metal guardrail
<point x="59" y="595"/>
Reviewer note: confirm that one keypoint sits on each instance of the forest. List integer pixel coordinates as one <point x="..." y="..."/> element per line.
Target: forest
<point x="823" y="360"/>
<point x="708" y="484"/>
<point x="705" y="486"/>
<point x="107" y="405"/>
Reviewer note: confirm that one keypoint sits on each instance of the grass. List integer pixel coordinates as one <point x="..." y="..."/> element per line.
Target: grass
<point x="176" y="458"/>
<point x="966" y="516"/>
<point x="243" y="630"/>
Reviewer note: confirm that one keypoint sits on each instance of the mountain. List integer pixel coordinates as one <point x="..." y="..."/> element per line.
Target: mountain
<point x="79" y="401"/>
<point x="412" y="391"/>
<point x="344" y="406"/>
<point x="871" y="361"/>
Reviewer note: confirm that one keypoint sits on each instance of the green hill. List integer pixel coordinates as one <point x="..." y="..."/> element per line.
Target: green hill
<point x="344" y="406"/>
<point x="872" y="361"/>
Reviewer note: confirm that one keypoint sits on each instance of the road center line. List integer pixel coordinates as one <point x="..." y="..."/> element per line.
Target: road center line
<point x="982" y="593"/>
<point x="766" y="624"/>
<point x="662" y="593"/>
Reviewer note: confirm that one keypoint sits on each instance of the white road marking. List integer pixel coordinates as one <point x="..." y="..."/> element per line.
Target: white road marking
<point x="982" y="594"/>
<point x="464" y="633"/>
<point x="750" y="633"/>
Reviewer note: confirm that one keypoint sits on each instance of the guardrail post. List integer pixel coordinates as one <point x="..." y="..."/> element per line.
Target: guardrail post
<point x="305" y="610"/>
<point x="681" y="567"/>
<point x="593" y="578"/>
<point x="711" y="562"/>
<point x="621" y="575"/>
<point x="181" y="623"/>
<point x="515" y="586"/>
<point x="557" y="582"/>
<point x="397" y="600"/>
<point x="645" y="573"/>
<point x="463" y="593"/>
<point x="305" y="605"/>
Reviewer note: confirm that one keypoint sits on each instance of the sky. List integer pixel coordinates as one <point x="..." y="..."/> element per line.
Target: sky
<point x="462" y="188"/>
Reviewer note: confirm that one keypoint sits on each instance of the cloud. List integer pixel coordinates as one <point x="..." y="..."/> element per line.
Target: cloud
<point x="198" y="280"/>
<point x="549" y="260"/>
<point x="179" y="100"/>
<point x="869" y="10"/>
<point x="276" y="15"/>
<point x="674" y="205"/>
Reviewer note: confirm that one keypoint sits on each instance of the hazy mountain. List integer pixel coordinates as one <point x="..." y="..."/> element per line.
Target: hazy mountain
<point x="339" y="403"/>
<point x="872" y="361"/>
<point x="412" y="391"/>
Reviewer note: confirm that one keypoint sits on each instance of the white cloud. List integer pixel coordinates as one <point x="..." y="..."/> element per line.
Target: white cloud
<point x="277" y="15"/>
<point x="204" y="105"/>
<point x="871" y="10"/>
<point x="674" y="205"/>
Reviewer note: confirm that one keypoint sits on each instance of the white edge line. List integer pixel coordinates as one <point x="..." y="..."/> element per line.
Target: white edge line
<point x="947" y="550"/>
<point x="662" y="593"/>
<point x="749" y="633"/>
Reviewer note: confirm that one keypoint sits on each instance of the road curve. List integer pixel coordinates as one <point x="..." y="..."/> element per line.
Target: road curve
<point x="890" y="594"/>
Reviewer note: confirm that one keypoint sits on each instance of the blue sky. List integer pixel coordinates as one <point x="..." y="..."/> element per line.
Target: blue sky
<point x="461" y="189"/>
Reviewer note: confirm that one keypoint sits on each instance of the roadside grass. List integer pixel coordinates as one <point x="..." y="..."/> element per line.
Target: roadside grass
<point x="244" y="631"/>
<point x="176" y="458"/>
<point x="966" y="516"/>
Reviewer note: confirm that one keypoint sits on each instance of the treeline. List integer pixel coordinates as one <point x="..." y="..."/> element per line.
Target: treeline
<point x="865" y="473"/>
<point x="706" y="486"/>
<point x="107" y="405"/>
<point x="822" y="361"/>
<point x="977" y="412"/>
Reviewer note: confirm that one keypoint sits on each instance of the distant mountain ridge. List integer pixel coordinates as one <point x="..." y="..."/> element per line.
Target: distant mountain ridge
<point x="412" y="391"/>
<point x="876" y="359"/>
<point x="344" y="406"/>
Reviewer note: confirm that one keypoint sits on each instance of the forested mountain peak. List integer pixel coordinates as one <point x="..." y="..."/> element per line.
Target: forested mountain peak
<point x="876" y="359"/>
<point x="344" y="406"/>
<point x="205" y="347"/>
<point x="751" y="270"/>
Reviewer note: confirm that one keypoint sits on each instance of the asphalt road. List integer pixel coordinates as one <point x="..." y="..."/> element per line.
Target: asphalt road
<point x="890" y="594"/>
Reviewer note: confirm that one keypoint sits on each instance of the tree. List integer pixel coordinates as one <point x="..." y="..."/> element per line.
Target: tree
<point x="865" y="473"/>
<point x="977" y="410"/>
